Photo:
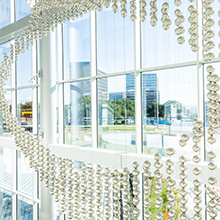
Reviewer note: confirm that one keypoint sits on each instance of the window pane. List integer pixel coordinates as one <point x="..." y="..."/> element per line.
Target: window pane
<point x="23" y="68"/>
<point x="4" y="131"/>
<point x="116" y="113"/>
<point x="24" y="208"/>
<point x="160" y="47"/>
<point x="22" y="9"/>
<point x="5" y="13"/>
<point x="5" y="205"/>
<point x="76" y="43"/>
<point x="6" y="167"/>
<point x="169" y="105"/>
<point x="5" y="48"/>
<point x="77" y="113"/>
<point x="115" y="42"/>
<point x="24" y="108"/>
<point x="25" y="175"/>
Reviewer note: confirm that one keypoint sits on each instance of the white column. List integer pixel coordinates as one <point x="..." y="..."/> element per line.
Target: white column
<point x="48" y="113"/>
<point x="94" y="98"/>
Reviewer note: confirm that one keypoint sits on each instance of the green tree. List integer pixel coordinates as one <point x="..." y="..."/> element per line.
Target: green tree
<point x="152" y="110"/>
<point x="122" y="107"/>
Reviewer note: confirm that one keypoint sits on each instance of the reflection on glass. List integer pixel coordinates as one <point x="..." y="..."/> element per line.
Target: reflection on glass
<point x="24" y="108"/>
<point x="160" y="47"/>
<point x="5" y="48"/>
<point x="116" y="113"/>
<point x="22" y="9"/>
<point x="214" y="147"/>
<point x="6" y="166"/>
<point x="169" y="99"/>
<point x="77" y="113"/>
<point x="4" y="131"/>
<point x="5" y="205"/>
<point x="23" y="69"/>
<point x="76" y="45"/>
<point x="25" y="175"/>
<point x="25" y="209"/>
<point x="5" y="13"/>
<point x="115" y="42"/>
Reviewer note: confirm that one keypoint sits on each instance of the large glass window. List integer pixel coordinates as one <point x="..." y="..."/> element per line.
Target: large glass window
<point x="23" y="69"/>
<point x="5" y="167"/>
<point x="115" y="42"/>
<point x="170" y="101"/>
<point x="159" y="46"/>
<point x="4" y="131"/>
<point x="24" y="108"/>
<point x="77" y="113"/>
<point x="5" y="13"/>
<point x="76" y="45"/>
<point x="25" y="175"/>
<point x="22" y="9"/>
<point x="5" y="205"/>
<point x="25" y="209"/>
<point x="5" y="48"/>
<point x="116" y="113"/>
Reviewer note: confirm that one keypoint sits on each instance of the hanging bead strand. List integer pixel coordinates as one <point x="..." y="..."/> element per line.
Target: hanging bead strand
<point x="143" y="12"/>
<point x="183" y="185"/>
<point x="153" y="11"/>
<point x="165" y="16"/>
<point x="170" y="186"/>
<point x="208" y="33"/>
<point x="107" y="192"/>
<point x="198" y="133"/>
<point x="126" y="193"/>
<point x="99" y="192"/>
<point x="178" y="22"/>
<point x="147" y="189"/>
<point x="116" y="195"/>
<point x="83" y="191"/>
<point x="158" y="184"/>
<point x="193" y="30"/>
<point x="70" y="191"/>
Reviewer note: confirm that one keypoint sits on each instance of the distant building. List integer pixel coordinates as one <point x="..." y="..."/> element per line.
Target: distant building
<point x="83" y="88"/>
<point x="150" y="93"/>
<point x="117" y="95"/>
<point x="174" y="110"/>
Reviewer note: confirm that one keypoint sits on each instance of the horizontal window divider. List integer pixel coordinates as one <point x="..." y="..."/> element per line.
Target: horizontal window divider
<point x="74" y="80"/>
<point x="170" y="66"/>
<point x="22" y="87"/>
<point x="13" y="30"/>
<point x="150" y="69"/>
<point x="20" y="194"/>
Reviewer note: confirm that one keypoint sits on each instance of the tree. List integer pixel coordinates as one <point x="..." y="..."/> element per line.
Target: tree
<point x="152" y="110"/>
<point x="122" y="107"/>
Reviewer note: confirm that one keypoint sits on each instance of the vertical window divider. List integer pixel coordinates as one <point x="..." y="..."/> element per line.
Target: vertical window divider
<point x="138" y="99"/>
<point x="12" y="11"/>
<point x="60" y="85"/>
<point x="138" y="86"/>
<point x="14" y="151"/>
<point x="34" y="125"/>
<point x="94" y="98"/>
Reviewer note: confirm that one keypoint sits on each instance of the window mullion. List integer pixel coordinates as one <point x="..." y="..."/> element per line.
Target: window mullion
<point x="94" y="86"/>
